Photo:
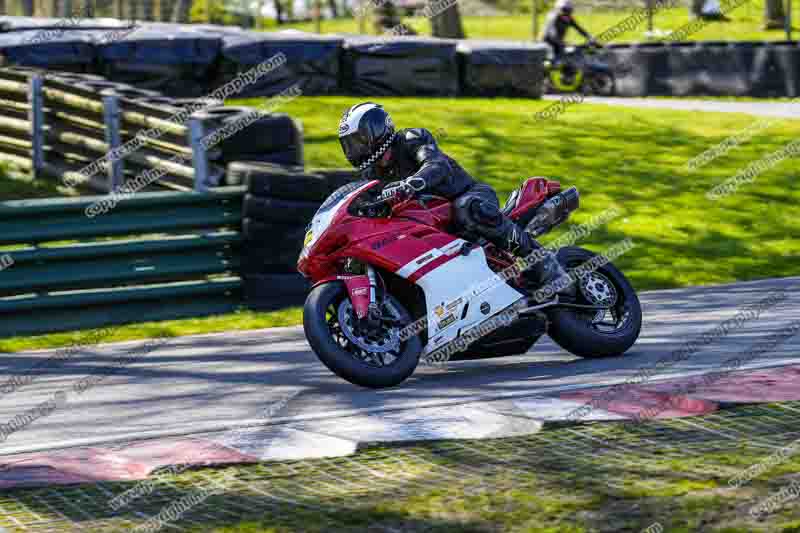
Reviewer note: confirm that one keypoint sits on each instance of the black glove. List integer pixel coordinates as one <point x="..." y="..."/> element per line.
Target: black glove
<point x="398" y="191"/>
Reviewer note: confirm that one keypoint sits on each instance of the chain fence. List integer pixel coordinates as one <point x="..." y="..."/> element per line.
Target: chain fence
<point x="260" y="14"/>
<point x="370" y="490"/>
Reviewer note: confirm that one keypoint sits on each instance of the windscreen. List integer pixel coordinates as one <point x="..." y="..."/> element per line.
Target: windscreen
<point x="338" y="194"/>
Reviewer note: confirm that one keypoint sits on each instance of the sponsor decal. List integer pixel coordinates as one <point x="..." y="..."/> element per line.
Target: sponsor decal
<point x="425" y="259"/>
<point x="454" y="304"/>
<point x="446" y="321"/>
<point x="359" y="291"/>
<point x="383" y="242"/>
<point x="439" y="310"/>
<point x="453" y="247"/>
<point x="485" y="308"/>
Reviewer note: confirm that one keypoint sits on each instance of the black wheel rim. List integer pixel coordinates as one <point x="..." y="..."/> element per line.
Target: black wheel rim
<point x="601" y="84"/>
<point x="344" y="338"/>
<point x="600" y="288"/>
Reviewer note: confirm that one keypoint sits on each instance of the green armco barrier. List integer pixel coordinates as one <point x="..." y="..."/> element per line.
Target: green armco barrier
<point x="34" y="221"/>
<point x="176" y="255"/>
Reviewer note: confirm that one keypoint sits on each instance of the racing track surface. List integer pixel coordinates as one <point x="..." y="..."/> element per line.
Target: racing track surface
<point x="200" y="384"/>
<point x="763" y="109"/>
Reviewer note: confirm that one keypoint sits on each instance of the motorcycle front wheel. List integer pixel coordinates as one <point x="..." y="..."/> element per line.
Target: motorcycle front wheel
<point x="374" y="359"/>
<point x="590" y="333"/>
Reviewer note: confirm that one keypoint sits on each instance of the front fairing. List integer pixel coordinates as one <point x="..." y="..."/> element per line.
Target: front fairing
<point x="328" y="212"/>
<point x="328" y="216"/>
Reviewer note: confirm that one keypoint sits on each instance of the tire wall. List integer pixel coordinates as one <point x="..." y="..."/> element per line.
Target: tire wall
<point x="178" y="64"/>
<point x="709" y="69"/>
<point x="400" y="67"/>
<point x="312" y="64"/>
<point x="273" y="138"/>
<point x="64" y="52"/>
<point x="278" y="205"/>
<point x="185" y="61"/>
<point x="501" y="68"/>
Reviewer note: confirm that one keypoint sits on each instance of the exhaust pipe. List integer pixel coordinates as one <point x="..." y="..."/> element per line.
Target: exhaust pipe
<point x="553" y="212"/>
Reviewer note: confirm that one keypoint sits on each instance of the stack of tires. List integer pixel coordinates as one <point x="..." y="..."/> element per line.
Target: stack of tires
<point x="279" y="203"/>
<point x="501" y="68"/>
<point x="271" y="138"/>
<point x="172" y="59"/>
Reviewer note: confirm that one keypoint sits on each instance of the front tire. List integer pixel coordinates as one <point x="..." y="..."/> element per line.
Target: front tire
<point x="324" y="307"/>
<point x="579" y="332"/>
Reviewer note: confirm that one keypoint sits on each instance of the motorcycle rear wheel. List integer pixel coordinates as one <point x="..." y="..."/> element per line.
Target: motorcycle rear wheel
<point x="580" y="332"/>
<point x="601" y="84"/>
<point x="331" y="331"/>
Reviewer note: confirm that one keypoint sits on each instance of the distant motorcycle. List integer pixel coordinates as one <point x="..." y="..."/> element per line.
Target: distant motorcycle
<point x="392" y="283"/>
<point x="579" y="72"/>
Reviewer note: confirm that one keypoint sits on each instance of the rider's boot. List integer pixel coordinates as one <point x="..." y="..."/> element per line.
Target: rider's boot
<point x="544" y="270"/>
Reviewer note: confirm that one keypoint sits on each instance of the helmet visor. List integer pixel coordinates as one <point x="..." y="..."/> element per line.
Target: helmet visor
<point x="355" y="147"/>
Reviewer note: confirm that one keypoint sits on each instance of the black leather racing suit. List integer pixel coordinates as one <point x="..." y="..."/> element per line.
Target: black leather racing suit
<point x="555" y="30"/>
<point x="414" y="152"/>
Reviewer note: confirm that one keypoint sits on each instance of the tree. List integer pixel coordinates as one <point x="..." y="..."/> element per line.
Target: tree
<point x="445" y="19"/>
<point x="200" y="11"/>
<point x="180" y="10"/>
<point x="773" y="14"/>
<point x="228" y="12"/>
<point x="696" y="8"/>
<point x="278" y="11"/>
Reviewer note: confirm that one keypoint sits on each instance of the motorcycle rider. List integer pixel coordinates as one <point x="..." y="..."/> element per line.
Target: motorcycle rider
<point x="371" y="144"/>
<point x="558" y="21"/>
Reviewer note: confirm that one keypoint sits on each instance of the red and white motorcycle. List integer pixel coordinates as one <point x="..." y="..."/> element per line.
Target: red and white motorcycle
<point x="392" y="285"/>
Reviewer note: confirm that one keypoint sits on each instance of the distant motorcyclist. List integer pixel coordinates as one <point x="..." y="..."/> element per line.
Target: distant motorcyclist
<point x="558" y="21"/>
<point x="371" y="144"/>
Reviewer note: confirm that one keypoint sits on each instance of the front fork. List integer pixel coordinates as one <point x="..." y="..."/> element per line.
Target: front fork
<point x="373" y="310"/>
<point x="363" y="292"/>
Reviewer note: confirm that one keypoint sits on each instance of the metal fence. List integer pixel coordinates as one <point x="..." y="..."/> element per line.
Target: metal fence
<point x="233" y="12"/>
<point x="248" y="14"/>
<point x="160" y="10"/>
<point x="155" y="256"/>
<point x="59" y="124"/>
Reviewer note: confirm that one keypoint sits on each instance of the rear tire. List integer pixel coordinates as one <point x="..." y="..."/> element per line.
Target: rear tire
<point x="341" y="362"/>
<point x="575" y="333"/>
<point x="602" y="84"/>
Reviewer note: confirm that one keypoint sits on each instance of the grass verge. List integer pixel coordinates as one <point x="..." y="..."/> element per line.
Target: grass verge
<point x="634" y="159"/>
<point x="238" y="321"/>
<point x="14" y="186"/>
<point x="602" y="477"/>
<point x="745" y="24"/>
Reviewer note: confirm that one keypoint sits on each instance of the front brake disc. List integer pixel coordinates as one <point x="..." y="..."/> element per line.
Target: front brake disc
<point x="386" y="341"/>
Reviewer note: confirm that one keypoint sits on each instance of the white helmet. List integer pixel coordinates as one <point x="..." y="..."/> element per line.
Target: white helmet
<point x="565" y="6"/>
